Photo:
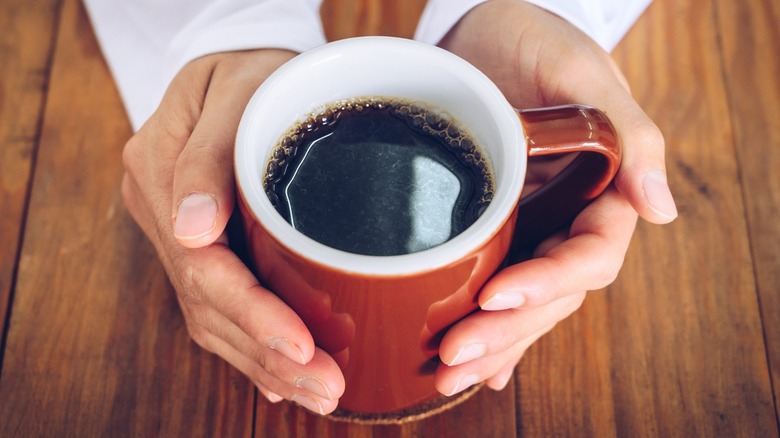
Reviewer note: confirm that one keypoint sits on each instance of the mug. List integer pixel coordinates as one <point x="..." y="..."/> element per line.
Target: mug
<point x="381" y="317"/>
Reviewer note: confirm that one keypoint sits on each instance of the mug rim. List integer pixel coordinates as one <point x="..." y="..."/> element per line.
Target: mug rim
<point x="249" y="173"/>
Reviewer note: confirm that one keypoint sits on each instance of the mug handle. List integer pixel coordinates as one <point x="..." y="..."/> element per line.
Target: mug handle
<point x="560" y="130"/>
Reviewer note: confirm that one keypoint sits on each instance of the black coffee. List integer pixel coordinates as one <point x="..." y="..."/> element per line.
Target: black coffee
<point x="379" y="176"/>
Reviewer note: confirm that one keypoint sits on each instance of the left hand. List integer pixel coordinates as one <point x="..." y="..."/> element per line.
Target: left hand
<point x="538" y="60"/>
<point x="179" y="188"/>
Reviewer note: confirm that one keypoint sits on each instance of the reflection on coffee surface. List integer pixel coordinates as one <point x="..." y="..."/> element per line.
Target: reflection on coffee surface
<point x="379" y="176"/>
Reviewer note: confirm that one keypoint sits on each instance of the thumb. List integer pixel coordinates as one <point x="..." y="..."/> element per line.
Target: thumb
<point x="203" y="189"/>
<point x="642" y="176"/>
<point x="203" y="182"/>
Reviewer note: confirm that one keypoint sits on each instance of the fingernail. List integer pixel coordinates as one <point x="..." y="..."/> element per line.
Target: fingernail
<point x="273" y="397"/>
<point x="288" y="349"/>
<point x="465" y="382"/>
<point x="468" y="353"/>
<point x="308" y="403"/>
<point x="314" y="385"/>
<point x="504" y="301"/>
<point x="658" y="196"/>
<point x="503" y="379"/>
<point x="195" y="217"/>
<point x="270" y="395"/>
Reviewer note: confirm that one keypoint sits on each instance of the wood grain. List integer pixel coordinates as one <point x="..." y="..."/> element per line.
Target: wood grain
<point x="674" y="347"/>
<point x="487" y="413"/>
<point x="26" y="47"/>
<point x="351" y="18"/>
<point x="96" y="345"/>
<point x="685" y="343"/>
<point x="687" y="350"/>
<point x="750" y="49"/>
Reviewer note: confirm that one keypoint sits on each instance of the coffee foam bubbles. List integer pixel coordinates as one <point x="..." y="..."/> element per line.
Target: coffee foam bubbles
<point x="423" y="117"/>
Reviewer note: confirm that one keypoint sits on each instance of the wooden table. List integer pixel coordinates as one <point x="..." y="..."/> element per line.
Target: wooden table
<point x="685" y="343"/>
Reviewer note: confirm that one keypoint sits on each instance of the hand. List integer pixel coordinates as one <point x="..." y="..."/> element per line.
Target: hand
<point x="179" y="187"/>
<point x="538" y="59"/>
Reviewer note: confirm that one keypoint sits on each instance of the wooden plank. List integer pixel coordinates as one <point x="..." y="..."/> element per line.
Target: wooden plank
<point x="695" y="289"/>
<point x="350" y="18"/>
<point x="25" y="52"/>
<point x="487" y="413"/>
<point x="750" y="43"/>
<point x="674" y="347"/>
<point x="96" y="345"/>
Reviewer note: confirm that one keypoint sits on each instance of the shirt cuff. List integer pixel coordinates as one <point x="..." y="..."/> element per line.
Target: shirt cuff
<point x="439" y="16"/>
<point x="605" y="21"/>
<point x="146" y="42"/>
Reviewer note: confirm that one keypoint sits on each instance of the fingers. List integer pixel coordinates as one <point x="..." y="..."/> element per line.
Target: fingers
<point x="590" y="259"/>
<point x="229" y="314"/>
<point x="501" y="378"/>
<point x="214" y="278"/>
<point x="487" y="333"/>
<point x="531" y="54"/>
<point x="182" y="159"/>
<point x="523" y="301"/>
<point x="495" y="369"/>
<point x="600" y="83"/>
<point x="270" y="396"/>
<point x="642" y="175"/>
<point x="291" y="382"/>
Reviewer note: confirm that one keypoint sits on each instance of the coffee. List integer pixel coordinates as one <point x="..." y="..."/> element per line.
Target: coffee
<point x="379" y="176"/>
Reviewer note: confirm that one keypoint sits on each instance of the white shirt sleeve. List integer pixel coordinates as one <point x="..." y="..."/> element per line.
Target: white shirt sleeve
<point x="146" y="42"/>
<point x="606" y="21"/>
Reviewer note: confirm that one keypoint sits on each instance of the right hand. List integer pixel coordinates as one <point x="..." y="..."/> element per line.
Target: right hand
<point x="538" y="59"/>
<point x="179" y="188"/>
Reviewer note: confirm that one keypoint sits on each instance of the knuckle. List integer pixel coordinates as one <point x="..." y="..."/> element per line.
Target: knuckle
<point x="209" y="152"/>
<point x="574" y="303"/>
<point x="556" y="283"/>
<point x="128" y="194"/>
<point x="199" y="335"/>
<point x="606" y="274"/>
<point x="246" y="321"/>
<point x="191" y="279"/>
<point x="539" y="296"/>
<point x="162" y="227"/>
<point x="259" y="355"/>
<point x="607" y="267"/>
<point x="647" y="135"/>
<point x="191" y="284"/>
<point x="131" y="153"/>
<point x="202" y="327"/>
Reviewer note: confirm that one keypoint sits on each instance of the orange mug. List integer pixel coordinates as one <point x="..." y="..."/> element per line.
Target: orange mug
<point x="381" y="317"/>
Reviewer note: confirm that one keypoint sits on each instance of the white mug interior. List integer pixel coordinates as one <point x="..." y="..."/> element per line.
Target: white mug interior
<point x="391" y="67"/>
